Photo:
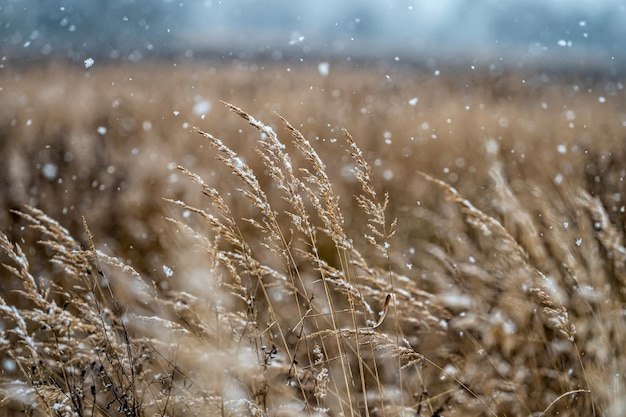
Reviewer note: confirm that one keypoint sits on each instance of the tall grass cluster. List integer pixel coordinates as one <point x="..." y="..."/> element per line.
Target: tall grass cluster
<point x="458" y="251"/>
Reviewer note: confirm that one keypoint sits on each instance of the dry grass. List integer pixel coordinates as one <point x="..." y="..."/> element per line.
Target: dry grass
<point x="459" y="255"/>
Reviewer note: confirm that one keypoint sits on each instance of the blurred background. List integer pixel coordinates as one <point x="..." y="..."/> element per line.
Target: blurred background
<point x="97" y="97"/>
<point x="587" y="32"/>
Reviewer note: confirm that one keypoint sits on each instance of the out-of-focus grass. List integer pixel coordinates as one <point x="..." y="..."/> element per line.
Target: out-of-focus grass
<point x="107" y="134"/>
<point x="98" y="142"/>
<point x="503" y="281"/>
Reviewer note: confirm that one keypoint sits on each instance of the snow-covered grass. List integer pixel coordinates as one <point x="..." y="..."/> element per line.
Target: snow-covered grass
<point x="460" y="254"/>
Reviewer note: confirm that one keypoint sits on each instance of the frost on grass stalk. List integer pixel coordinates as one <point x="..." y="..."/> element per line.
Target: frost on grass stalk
<point x="302" y="302"/>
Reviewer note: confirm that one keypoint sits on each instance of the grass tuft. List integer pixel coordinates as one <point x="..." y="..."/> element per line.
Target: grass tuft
<point x="297" y="285"/>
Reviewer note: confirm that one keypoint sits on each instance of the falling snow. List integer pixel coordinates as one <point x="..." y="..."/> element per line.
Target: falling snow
<point x="323" y="68"/>
<point x="202" y="107"/>
<point x="50" y="171"/>
<point x="167" y="271"/>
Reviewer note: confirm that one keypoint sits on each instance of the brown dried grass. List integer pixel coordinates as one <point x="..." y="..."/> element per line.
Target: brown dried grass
<point x="480" y="272"/>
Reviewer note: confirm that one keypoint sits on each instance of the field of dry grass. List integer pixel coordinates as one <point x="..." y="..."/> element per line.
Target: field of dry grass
<point x="458" y="250"/>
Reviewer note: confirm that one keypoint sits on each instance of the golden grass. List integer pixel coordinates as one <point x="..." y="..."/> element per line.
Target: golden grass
<point x="460" y="254"/>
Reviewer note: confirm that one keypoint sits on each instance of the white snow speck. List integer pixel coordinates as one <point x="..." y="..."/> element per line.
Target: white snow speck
<point x="167" y="271"/>
<point x="562" y="149"/>
<point x="558" y="179"/>
<point x="492" y="146"/>
<point x="459" y="301"/>
<point x="323" y="68"/>
<point x="102" y="130"/>
<point x="578" y="242"/>
<point x="9" y="365"/>
<point x="89" y="62"/>
<point x="296" y="38"/>
<point x="202" y="107"/>
<point x="49" y="170"/>
<point x="413" y="101"/>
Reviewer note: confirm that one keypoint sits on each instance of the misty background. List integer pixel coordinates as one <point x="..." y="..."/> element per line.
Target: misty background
<point x="584" y="31"/>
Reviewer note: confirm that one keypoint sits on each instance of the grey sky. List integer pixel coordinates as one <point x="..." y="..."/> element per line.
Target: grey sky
<point x="481" y="28"/>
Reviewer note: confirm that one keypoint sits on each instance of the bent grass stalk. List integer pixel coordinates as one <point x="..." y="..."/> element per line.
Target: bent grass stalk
<point x="298" y="315"/>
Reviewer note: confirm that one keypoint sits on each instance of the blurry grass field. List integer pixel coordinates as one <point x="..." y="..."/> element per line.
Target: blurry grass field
<point x="458" y="250"/>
